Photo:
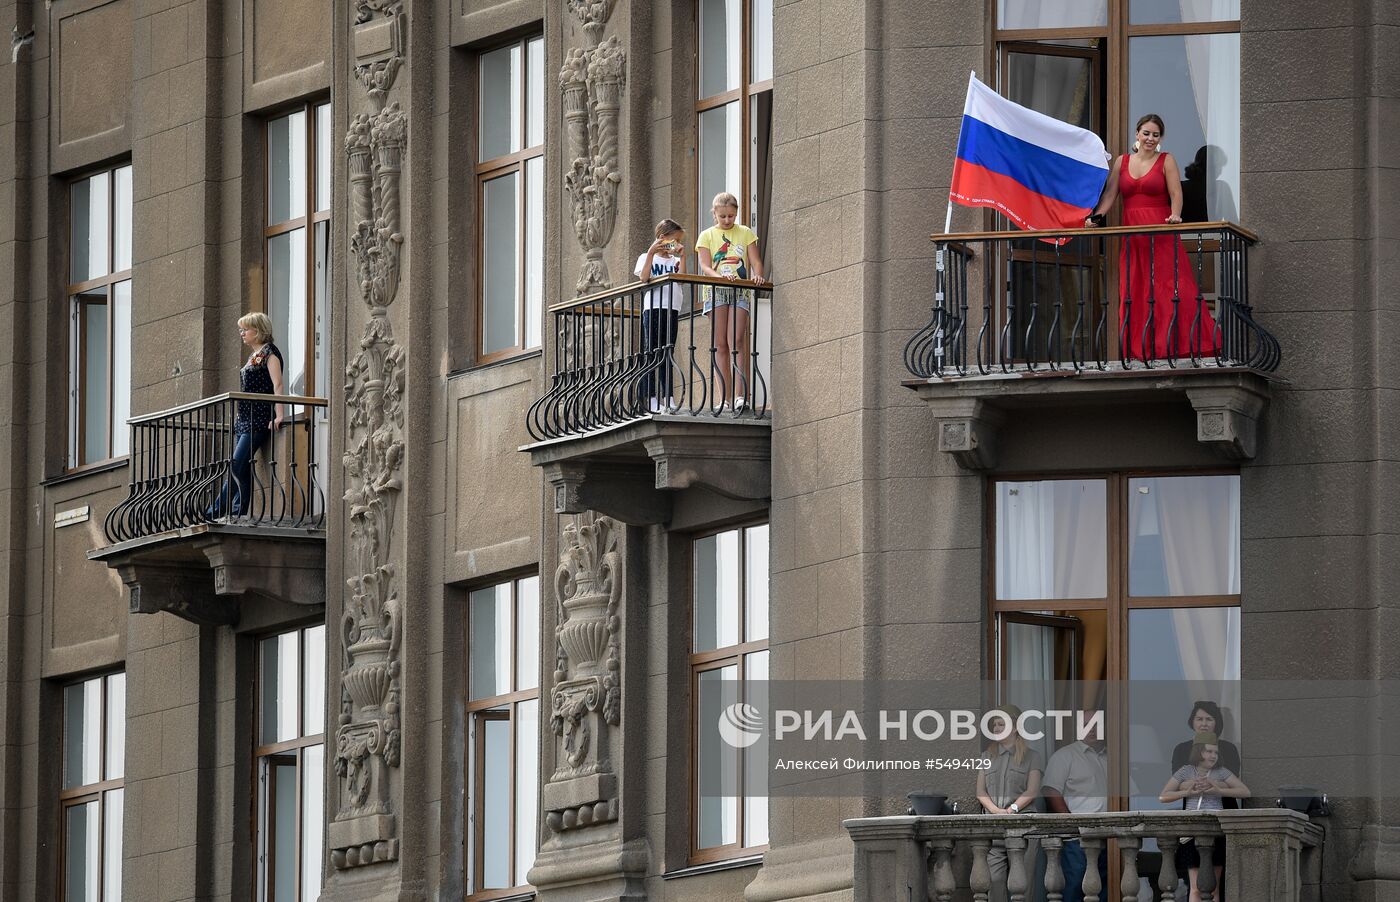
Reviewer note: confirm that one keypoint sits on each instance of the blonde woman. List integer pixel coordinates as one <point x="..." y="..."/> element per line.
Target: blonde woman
<point x="254" y="421"/>
<point x="1010" y="786"/>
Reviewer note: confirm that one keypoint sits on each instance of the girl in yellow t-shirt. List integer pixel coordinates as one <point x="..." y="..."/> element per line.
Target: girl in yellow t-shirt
<point x="727" y="250"/>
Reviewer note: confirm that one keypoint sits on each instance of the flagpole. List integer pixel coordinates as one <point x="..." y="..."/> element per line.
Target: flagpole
<point x="948" y="217"/>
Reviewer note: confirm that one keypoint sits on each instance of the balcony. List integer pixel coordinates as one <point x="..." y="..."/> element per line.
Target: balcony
<point x="177" y="540"/>
<point x="635" y="415"/>
<point x="1270" y="854"/>
<point x="1019" y="322"/>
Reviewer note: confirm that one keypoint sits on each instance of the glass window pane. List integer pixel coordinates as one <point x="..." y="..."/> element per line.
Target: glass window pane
<point x="1058" y="86"/>
<point x="720" y="45"/>
<point x="721" y="155"/>
<point x="96" y="375"/>
<point x="88" y="247"/>
<point x="82" y="733"/>
<point x="1193" y="83"/>
<point x="527" y="773"/>
<point x="500" y="102"/>
<point x="324" y="141"/>
<point x="716" y="591"/>
<point x="756" y="583"/>
<point x="755" y="768"/>
<point x="534" y="250"/>
<point x="279" y="689"/>
<point x="527" y="633"/>
<point x="321" y="342"/>
<point x="500" y="202"/>
<point x="81" y="843"/>
<point x="314" y="681"/>
<point x="286" y="304"/>
<point x="121" y="219"/>
<point x="1177" y="656"/>
<point x="284" y="829"/>
<point x="489" y="650"/>
<point x="312" y="779"/>
<point x="112" y="816"/>
<point x="1036" y="14"/>
<point x="121" y="367"/>
<point x="1184" y="536"/>
<point x="761" y="63"/>
<point x="286" y="168"/>
<point x="534" y="93"/>
<point x="1052" y="539"/>
<point x="716" y="766"/>
<point x="1158" y="12"/>
<point x="116" y="726"/>
<point x="495" y="805"/>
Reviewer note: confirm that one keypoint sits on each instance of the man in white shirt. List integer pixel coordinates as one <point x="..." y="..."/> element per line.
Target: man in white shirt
<point x="1076" y="782"/>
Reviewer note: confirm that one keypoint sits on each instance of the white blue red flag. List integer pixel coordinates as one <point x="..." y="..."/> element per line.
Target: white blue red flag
<point x="1039" y="172"/>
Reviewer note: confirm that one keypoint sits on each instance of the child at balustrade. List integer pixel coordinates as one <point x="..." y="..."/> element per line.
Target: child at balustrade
<point x="730" y="251"/>
<point x="661" y="307"/>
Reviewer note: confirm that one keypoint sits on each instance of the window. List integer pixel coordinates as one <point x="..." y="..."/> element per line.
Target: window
<point x="734" y="105"/>
<point x="290" y="758"/>
<point x="1102" y="64"/>
<point x="510" y="196"/>
<point x="94" y="759"/>
<point x="99" y="307"/>
<point x="503" y="711"/>
<point x="296" y="244"/>
<point x="1124" y="578"/>
<point x="728" y="663"/>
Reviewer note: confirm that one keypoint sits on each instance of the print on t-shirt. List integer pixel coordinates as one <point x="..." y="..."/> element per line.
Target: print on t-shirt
<point x="668" y="295"/>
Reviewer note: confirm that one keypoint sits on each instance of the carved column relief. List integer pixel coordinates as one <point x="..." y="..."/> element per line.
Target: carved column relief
<point x="365" y="829"/>
<point x="591" y="83"/>
<point x="587" y="697"/>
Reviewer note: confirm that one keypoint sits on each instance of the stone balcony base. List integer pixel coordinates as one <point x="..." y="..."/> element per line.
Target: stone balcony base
<point x="970" y="410"/>
<point x="201" y="572"/>
<point x="633" y="471"/>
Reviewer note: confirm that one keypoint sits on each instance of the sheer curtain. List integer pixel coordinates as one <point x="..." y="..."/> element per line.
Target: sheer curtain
<point x="1199" y="521"/>
<point x="1051" y="539"/>
<point x="1214" y="64"/>
<point x="1039" y="14"/>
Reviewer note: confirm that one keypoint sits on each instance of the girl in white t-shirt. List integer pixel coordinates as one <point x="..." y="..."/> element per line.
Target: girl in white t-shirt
<point x="661" y="308"/>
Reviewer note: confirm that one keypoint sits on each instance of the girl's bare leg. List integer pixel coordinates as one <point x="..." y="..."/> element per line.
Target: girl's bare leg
<point x="1195" y="893"/>
<point x="739" y="342"/>
<point x="719" y="321"/>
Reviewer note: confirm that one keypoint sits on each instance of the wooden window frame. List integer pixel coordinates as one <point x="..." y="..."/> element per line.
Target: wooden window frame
<point x="1117" y="604"/>
<point x="744" y="94"/>
<point x="308" y="222"/>
<point x="502" y="707"/>
<point x="704" y="662"/>
<point x="500" y="167"/>
<point x="266" y="757"/>
<point x="78" y="401"/>
<point x="71" y="797"/>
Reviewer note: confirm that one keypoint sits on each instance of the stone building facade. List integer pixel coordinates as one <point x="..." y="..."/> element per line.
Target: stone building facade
<point x="455" y="655"/>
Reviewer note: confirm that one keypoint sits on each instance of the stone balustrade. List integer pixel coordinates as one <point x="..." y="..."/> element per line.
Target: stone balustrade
<point x="940" y="859"/>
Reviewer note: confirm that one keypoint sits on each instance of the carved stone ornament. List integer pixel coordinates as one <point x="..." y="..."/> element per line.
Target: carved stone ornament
<point x="587" y="697"/>
<point x="368" y="736"/>
<point x="591" y="83"/>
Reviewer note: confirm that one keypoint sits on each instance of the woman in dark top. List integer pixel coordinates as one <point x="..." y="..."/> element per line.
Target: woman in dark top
<point x="1206" y="718"/>
<point x="254" y="421"/>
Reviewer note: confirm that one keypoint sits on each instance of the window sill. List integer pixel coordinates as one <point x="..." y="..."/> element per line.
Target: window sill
<point x="69" y="475"/>
<point x="488" y="896"/>
<point x="711" y="867"/>
<point x="498" y="362"/>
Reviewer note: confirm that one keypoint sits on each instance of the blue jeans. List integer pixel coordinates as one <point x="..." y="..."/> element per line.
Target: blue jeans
<point x="240" y="483"/>
<point x="1073" y="862"/>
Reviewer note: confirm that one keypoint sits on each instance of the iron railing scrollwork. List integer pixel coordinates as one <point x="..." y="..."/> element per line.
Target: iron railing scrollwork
<point x="1055" y="306"/>
<point x="679" y="345"/>
<point x="182" y="469"/>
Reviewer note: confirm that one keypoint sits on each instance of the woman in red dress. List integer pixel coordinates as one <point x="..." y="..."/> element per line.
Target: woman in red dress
<point x="1155" y="277"/>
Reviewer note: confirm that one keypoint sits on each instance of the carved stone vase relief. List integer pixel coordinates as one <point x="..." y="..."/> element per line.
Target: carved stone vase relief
<point x="586" y="701"/>
<point x="364" y="829"/>
<point x="591" y="83"/>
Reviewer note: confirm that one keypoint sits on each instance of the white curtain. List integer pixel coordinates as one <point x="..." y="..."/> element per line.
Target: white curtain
<point x="1039" y="14"/>
<point x="1051" y="539"/>
<point x="1214" y="64"/>
<point x="1030" y="673"/>
<point x="1198" y="518"/>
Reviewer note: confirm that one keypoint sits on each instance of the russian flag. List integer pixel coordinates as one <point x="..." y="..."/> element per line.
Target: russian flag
<point x="1041" y="173"/>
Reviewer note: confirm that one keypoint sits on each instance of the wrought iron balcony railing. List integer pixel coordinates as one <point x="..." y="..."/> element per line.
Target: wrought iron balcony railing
<point x="185" y="467"/>
<point x="1169" y="296"/>
<point x="680" y="345"/>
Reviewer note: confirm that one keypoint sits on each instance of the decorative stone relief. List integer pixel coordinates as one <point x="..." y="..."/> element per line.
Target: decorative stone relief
<point x="367" y="745"/>
<point x="591" y="82"/>
<point x="587" y="697"/>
